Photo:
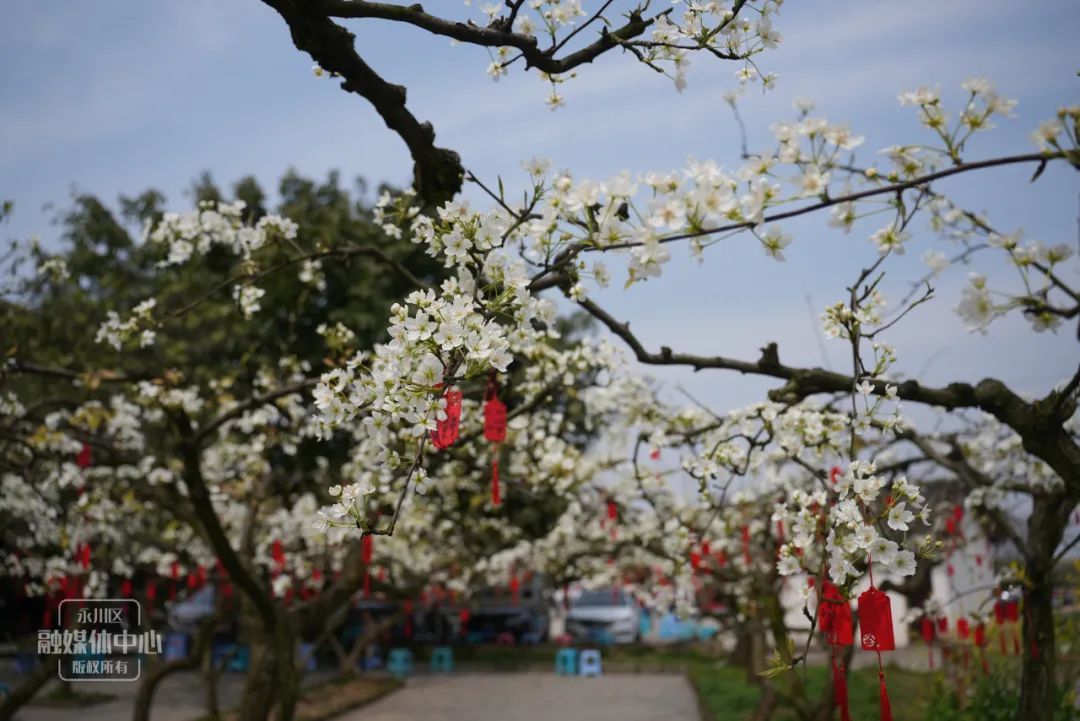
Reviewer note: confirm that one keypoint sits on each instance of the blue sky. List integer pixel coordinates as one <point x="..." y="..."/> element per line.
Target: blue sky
<point x="130" y="95"/>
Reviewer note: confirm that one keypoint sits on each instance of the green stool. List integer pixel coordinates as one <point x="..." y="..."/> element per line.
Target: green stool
<point x="399" y="662"/>
<point x="566" y="662"/>
<point x="442" y="659"/>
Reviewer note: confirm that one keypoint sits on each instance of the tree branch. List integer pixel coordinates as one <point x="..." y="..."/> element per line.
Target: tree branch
<point x="437" y="172"/>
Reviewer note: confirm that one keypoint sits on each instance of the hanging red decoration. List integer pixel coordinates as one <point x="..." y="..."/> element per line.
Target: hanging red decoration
<point x="835" y="621"/>
<point x="494" y="431"/>
<point x="980" y="643"/>
<point x="746" y="543"/>
<point x="999" y="621"/>
<point x="963" y="630"/>
<point x="367" y="550"/>
<point x="125" y="588"/>
<point x="695" y="560"/>
<point x="515" y="588"/>
<point x="446" y="430"/>
<point x="943" y="625"/>
<point x="85" y="457"/>
<point x="705" y="549"/>
<point x="928" y="638"/>
<point x="876" y="629"/>
<point x="1012" y="615"/>
<point x="84" y="556"/>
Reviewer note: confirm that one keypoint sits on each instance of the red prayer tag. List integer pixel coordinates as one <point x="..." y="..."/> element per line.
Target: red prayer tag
<point x="875" y="621"/>
<point x="495" y="420"/>
<point x="85" y="457"/>
<point x="446" y="430"/>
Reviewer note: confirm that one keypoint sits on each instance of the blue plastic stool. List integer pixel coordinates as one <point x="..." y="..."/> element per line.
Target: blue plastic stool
<point x="25" y="663"/>
<point x="240" y="661"/>
<point x="399" y="662"/>
<point x="372" y="661"/>
<point x="305" y="657"/>
<point x="442" y="659"/>
<point x="176" y="646"/>
<point x="566" y="661"/>
<point x="590" y="663"/>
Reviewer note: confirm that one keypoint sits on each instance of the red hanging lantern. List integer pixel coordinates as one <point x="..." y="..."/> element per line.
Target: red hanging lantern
<point x="85" y="457"/>
<point x="943" y="625"/>
<point x="876" y="630"/>
<point x="928" y="638"/>
<point x="963" y="630"/>
<point x="84" y="556"/>
<point x="835" y="621"/>
<point x="980" y="643"/>
<point x="515" y="588"/>
<point x="999" y="621"/>
<point x="367" y="550"/>
<point x="1012" y="615"/>
<point x="125" y="588"/>
<point x="446" y="430"/>
<point x="705" y="549"/>
<point x="494" y="431"/>
<point x="746" y="544"/>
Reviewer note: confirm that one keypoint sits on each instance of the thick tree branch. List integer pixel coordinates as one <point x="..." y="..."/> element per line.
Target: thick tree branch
<point x="493" y="36"/>
<point x="437" y="172"/>
<point x="1038" y="424"/>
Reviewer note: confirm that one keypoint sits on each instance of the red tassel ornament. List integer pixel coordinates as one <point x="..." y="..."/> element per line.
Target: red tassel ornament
<point x="494" y="431"/>
<point x="836" y="623"/>
<point x="928" y="637"/>
<point x="876" y="630"/>
<point x="446" y="430"/>
<point x="367" y="551"/>
<point x="85" y="457"/>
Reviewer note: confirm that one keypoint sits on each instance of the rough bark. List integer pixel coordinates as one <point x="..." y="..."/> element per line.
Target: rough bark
<point x="144" y="697"/>
<point x="1038" y="683"/>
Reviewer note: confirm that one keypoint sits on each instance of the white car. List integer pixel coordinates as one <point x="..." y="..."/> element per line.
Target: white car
<point x="605" y="615"/>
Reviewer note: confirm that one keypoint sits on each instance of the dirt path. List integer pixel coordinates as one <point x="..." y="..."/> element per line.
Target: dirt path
<point x="536" y="697"/>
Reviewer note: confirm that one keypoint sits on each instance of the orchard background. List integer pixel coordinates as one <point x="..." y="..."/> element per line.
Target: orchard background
<point x="761" y="317"/>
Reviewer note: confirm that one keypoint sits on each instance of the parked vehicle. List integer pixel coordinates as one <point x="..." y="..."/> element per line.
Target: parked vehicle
<point x="604" y="615"/>
<point x="496" y="612"/>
